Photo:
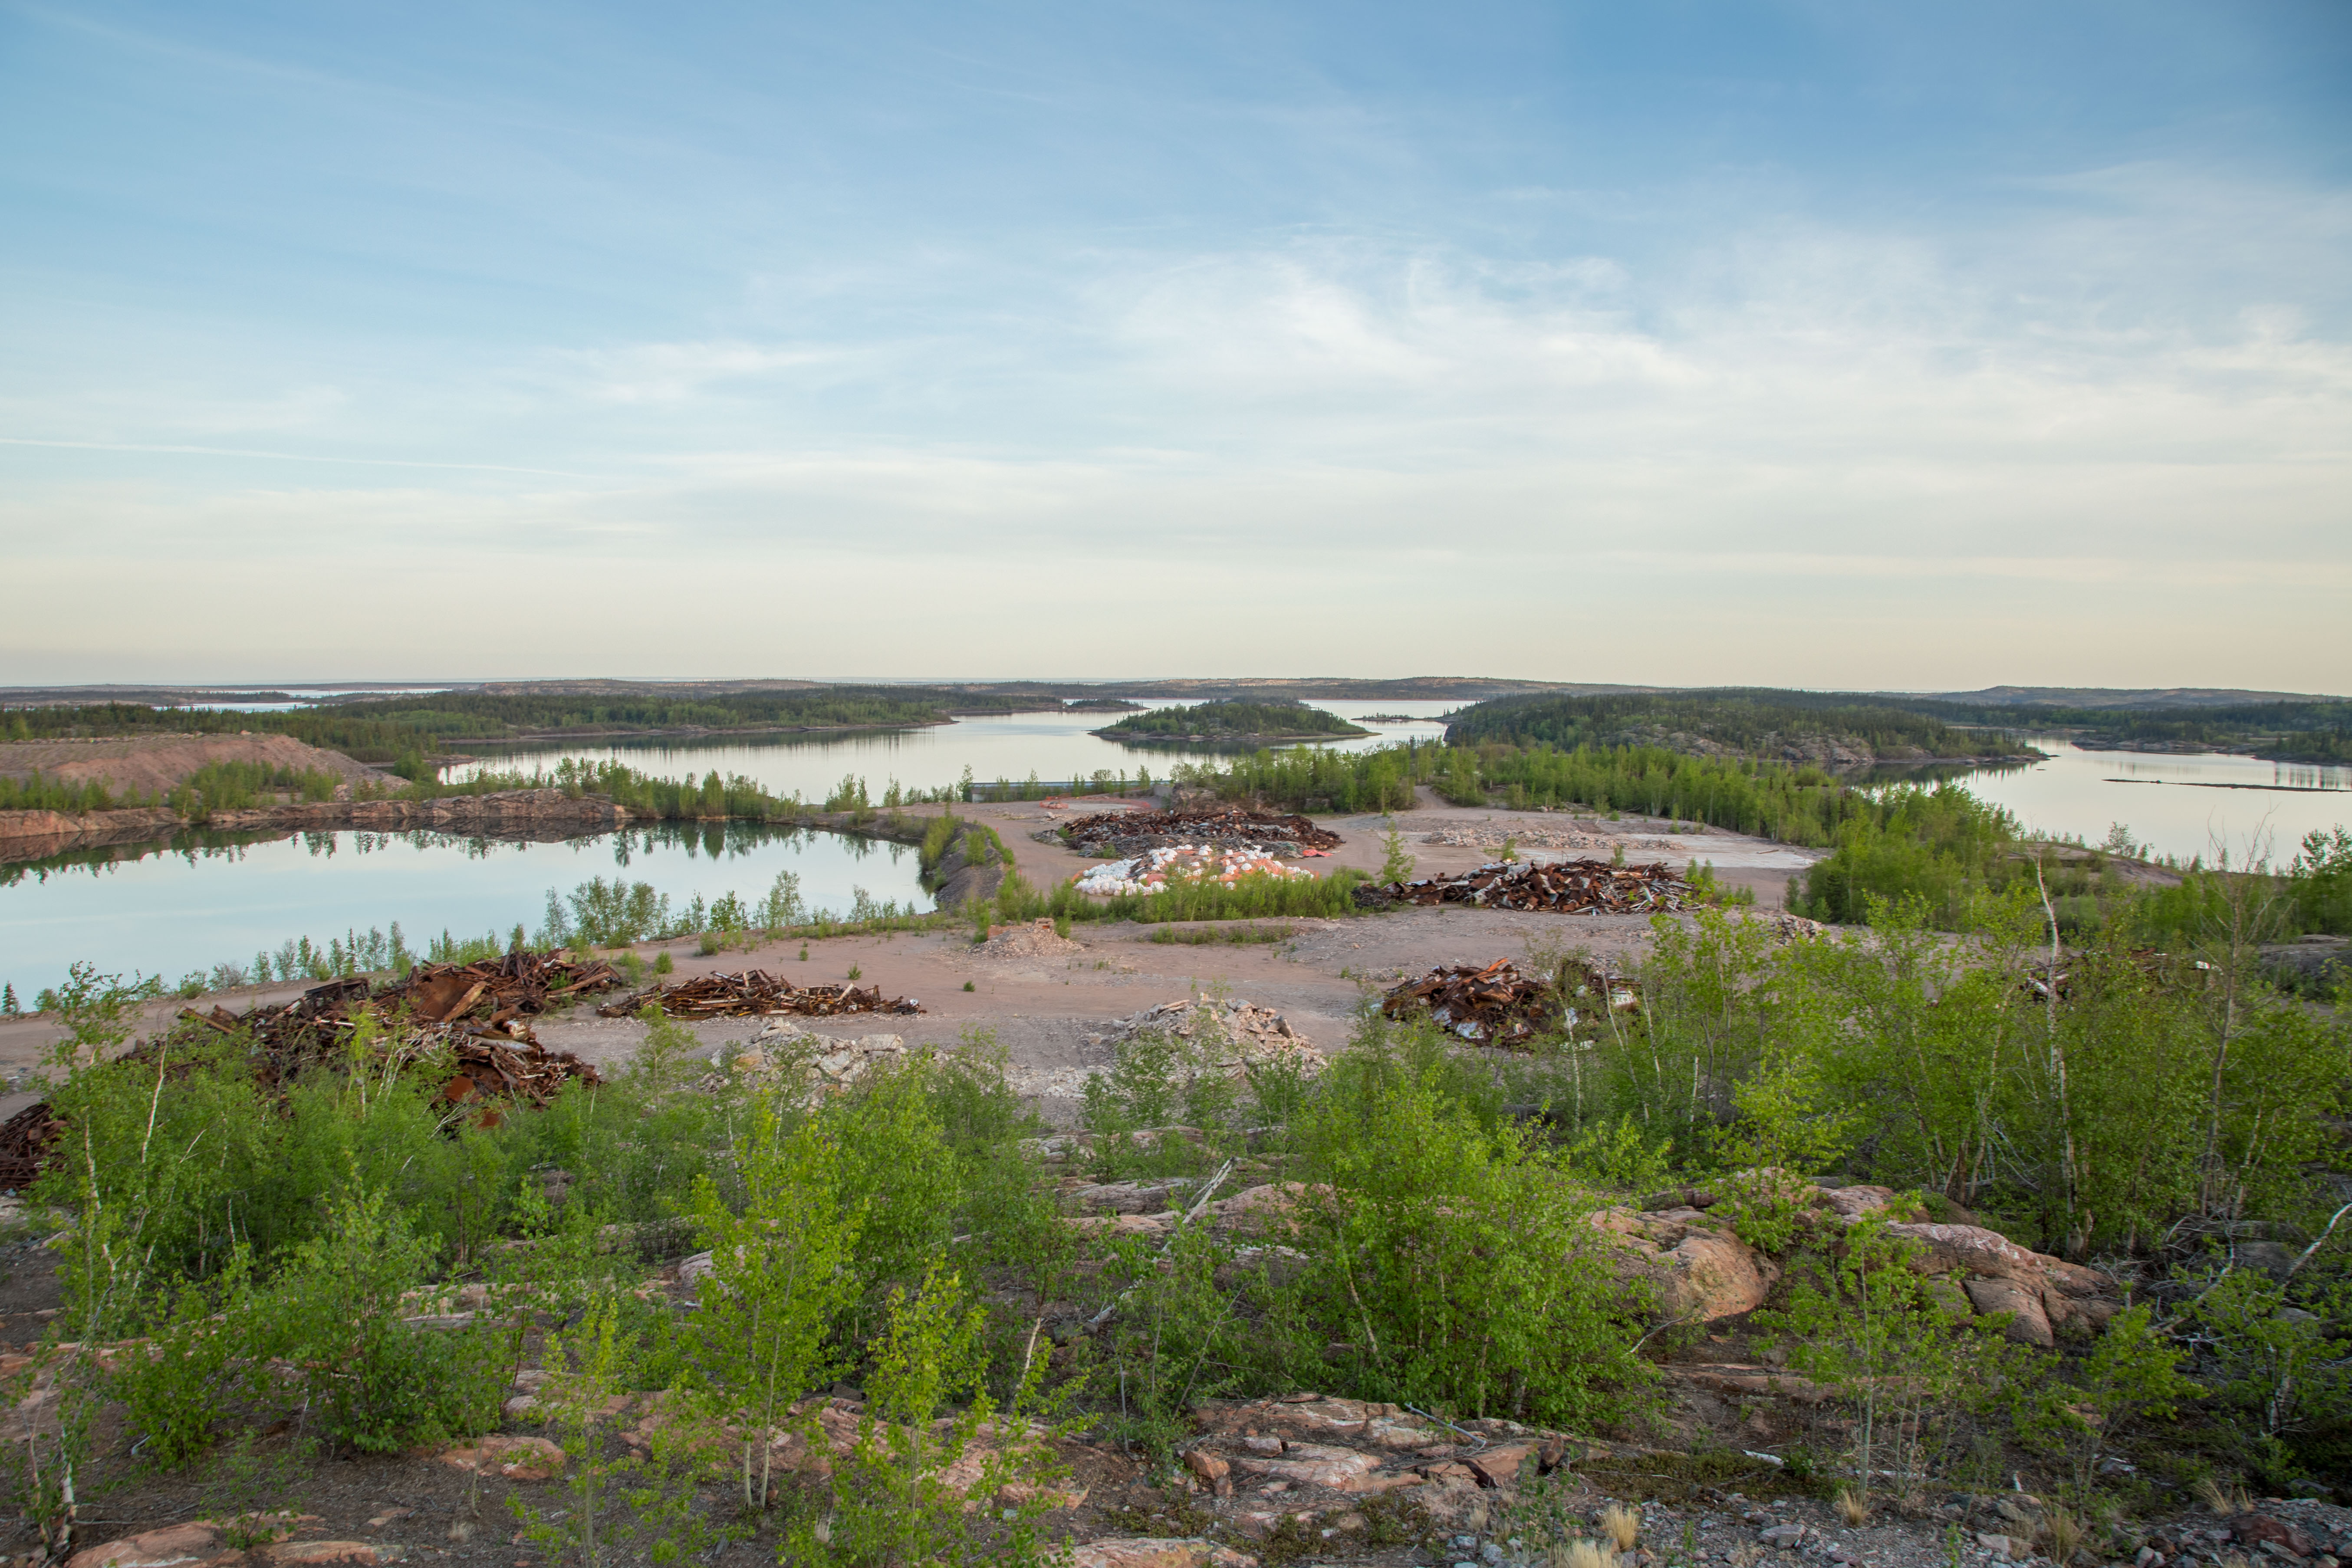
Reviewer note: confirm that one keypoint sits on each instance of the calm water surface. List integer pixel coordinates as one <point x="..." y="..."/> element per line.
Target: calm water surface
<point x="1013" y="747"/>
<point x="2183" y="806"/>
<point x="168" y="911"/>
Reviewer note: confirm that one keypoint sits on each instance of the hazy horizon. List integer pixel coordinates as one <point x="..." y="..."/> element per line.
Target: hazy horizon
<point x="1820" y="345"/>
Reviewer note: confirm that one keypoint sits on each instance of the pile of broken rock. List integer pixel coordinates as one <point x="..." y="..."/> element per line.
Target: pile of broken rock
<point x="784" y="1046"/>
<point x="1226" y="1035"/>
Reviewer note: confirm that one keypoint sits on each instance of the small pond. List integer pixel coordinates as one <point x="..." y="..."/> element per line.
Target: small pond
<point x="206" y="900"/>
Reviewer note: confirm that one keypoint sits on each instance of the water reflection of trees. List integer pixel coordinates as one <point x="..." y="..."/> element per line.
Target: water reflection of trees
<point x="716" y="841"/>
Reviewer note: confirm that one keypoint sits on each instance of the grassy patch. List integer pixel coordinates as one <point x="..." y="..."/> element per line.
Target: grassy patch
<point x="1212" y="936"/>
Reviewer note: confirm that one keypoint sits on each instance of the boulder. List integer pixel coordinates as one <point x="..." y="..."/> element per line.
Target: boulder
<point x="516" y="1459"/>
<point x="1318" y="1465"/>
<point x="1126" y="1197"/>
<point x="173" y="1544"/>
<point x="1989" y="1254"/>
<point x="2257" y="1529"/>
<point x="1713" y="1275"/>
<point x="2028" y="1323"/>
<point x="2273" y="1258"/>
<point x="1856" y="1201"/>
<point x="1700" y="1271"/>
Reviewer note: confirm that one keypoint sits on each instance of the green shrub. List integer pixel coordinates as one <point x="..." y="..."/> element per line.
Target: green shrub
<point x="1455" y="1261"/>
<point x="368" y="1379"/>
<point x="783" y="1272"/>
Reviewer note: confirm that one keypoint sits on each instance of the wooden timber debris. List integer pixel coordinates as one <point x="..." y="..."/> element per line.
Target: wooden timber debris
<point x="1558" y="886"/>
<point x="756" y="993"/>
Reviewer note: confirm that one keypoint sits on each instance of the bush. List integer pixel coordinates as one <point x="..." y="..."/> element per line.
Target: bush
<point x="1455" y="1261"/>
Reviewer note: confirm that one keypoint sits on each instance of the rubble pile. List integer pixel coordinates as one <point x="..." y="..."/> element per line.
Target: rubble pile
<point x="1036" y="939"/>
<point x="1226" y="1036"/>
<point x="469" y="1016"/>
<point x="784" y="1046"/>
<point x="1131" y="834"/>
<point x="1562" y="887"/>
<point x="756" y="993"/>
<point x="1496" y="1005"/>
<point x="517" y="983"/>
<point x="1493" y="835"/>
<point x="1152" y="871"/>
<point x="466" y="1018"/>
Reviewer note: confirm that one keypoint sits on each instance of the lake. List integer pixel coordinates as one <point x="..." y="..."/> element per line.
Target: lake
<point x="205" y="901"/>
<point x="1013" y="747"/>
<point x="2177" y="805"/>
<point x="169" y="911"/>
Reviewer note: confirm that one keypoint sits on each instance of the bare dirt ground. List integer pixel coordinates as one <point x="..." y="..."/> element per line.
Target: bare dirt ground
<point x="1039" y="1010"/>
<point x="151" y="765"/>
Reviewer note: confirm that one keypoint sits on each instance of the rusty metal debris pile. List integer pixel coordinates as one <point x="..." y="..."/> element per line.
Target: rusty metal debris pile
<point x="1131" y="834"/>
<point x="466" y="1018"/>
<point x="1496" y="1005"/>
<point x="473" y="1013"/>
<point x="1560" y="887"/>
<point x="756" y="993"/>
<point x="1500" y="1006"/>
<point x="24" y="1140"/>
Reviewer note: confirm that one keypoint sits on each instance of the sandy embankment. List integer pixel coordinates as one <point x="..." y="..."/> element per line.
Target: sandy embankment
<point x="144" y="765"/>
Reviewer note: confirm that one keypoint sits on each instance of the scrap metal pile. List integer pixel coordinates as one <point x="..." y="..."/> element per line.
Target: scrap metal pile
<point x="1131" y="834"/>
<point x="465" y="1019"/>
<point x="469" y="1015"/>
<point x="24" y="1140"/>
<point x="756" y="993"/>
<point x="1558" y="887"/>
<point x="1500" y="1006"/>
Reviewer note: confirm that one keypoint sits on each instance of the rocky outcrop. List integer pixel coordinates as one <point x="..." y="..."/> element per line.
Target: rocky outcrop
<point x="1158" y="1552"/>
<point x="969" y="872"/>
<point x="1699" y="1270"/>
<point x="1703" y="1271"/>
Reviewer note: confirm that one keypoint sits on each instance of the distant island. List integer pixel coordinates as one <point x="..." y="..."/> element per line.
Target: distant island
<point x="1232" y="722"/>
<point x="1101" y="705"/>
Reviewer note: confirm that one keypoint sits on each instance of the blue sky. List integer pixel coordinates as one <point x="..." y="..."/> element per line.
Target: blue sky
<point x="1824" y="344"/>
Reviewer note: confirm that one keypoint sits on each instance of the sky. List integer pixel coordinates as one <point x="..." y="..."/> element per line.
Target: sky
<point x="1843" y="345"/>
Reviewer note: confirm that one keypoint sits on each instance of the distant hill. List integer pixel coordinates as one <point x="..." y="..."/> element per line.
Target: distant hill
<point x="2101" y="696"/>
<point x="1836" y="730"/>
<point x="1233" y="721"/>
